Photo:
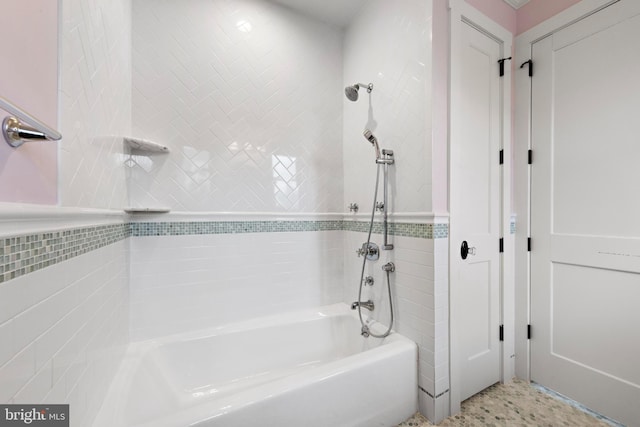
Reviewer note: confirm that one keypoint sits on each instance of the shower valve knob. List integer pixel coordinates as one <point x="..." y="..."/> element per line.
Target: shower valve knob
<point x="372" y="251"/>
<point x="389" y="267"/>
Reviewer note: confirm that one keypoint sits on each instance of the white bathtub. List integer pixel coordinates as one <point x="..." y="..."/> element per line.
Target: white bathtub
<point x="309" y="368"/>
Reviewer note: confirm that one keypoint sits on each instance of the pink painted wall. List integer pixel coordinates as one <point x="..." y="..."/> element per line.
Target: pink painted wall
<point x="29" y="78"/>
<point x="538" y="11"/>
<point x="528" y="16"/>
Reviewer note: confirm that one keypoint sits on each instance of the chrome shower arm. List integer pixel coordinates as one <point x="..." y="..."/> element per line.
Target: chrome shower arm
<point x="369" y="86"/>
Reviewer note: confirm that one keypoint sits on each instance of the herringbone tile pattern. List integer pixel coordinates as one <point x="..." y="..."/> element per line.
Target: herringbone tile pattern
<point x="389" y="45"/>
<point x="95" y="99"/>
<point x="248" y="96"/>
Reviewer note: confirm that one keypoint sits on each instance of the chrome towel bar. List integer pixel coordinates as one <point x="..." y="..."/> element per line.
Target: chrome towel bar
<point x="16" y="132"/>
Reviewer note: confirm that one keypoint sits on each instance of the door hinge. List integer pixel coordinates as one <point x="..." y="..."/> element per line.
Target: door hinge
<point x="501" y="332"/>
<point x="501" y="245"/>
<point x="530" y="64"/>
<point x="530" y="157"/>
<point x="528" y="332"/>
<point x="501" y="157"/>
<point x="501" y="62"/>
<point x="528" y="244"/>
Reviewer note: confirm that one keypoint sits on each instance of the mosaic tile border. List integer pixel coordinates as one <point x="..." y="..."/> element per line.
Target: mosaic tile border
<point x="424" y="231"/>
<point x="24" y="254"/>
<point x="140" y="229"/>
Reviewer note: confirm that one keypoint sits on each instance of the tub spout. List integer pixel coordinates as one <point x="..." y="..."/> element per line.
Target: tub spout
<point x="365" y="304"/>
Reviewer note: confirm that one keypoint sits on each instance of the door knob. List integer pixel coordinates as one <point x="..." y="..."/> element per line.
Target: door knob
<point x="465" y="250"/>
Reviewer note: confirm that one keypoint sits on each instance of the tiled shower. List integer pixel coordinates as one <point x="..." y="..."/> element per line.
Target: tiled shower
<point x="265" y="155"/>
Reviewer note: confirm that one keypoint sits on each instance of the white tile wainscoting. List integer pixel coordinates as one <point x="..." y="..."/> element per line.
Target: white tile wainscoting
<point x="182" y="283"/>
<point x="420" y="292"/>
<point x="73" y="296"/>
<point x="221" y="277"/>
<point x="64" y="311"/>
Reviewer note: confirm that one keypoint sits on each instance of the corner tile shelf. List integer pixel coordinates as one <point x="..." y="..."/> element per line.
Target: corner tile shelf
<point x="147" y="210"/>
<point x="144" y="145"/>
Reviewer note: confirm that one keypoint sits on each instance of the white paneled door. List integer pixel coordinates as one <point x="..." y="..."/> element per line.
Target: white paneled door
<point x="475" y="212"/>
<point x="585" y="198"/>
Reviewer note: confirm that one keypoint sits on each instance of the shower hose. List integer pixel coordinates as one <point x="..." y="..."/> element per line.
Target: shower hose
<point x="365" y="329"/>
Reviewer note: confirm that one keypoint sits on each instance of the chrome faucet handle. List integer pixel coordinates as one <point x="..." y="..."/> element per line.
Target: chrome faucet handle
<point x="371" y="251"/>
<point x="389" y="267"/>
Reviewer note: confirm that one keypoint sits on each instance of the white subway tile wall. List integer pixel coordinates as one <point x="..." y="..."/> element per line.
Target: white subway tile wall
<point x="64" y="329"/>
<point x="248" y="96"/>
<point x="389" y="45"/>
<point x="416" y="290"/>
<point x="441" y="335"/>
<point x="181" y="283"/>
<point x="95" y="102"/>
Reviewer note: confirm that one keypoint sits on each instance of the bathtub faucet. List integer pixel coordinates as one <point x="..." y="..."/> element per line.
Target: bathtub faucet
<point x="365" y="304"/>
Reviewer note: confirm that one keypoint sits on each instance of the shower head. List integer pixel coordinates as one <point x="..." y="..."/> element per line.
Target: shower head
<point x="369" y="136"/>
<point x="352" y="91"/>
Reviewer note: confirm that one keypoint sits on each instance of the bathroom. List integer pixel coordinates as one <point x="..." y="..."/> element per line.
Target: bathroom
<point x="208" y="175"/>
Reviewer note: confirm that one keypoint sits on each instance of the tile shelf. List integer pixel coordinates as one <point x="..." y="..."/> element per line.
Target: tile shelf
<point x="145" y="145"/>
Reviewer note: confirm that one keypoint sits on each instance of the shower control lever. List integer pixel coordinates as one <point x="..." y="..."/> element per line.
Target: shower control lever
<point x="368" y="281"/>
<point x="371" y="251"/>
<point x="389" y="267"/>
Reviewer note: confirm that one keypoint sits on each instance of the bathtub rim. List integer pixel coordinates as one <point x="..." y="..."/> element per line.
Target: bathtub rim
<point x="263" y="322"/>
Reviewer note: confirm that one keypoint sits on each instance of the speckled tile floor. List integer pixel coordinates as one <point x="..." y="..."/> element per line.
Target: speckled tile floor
<point x="515" y="404"/>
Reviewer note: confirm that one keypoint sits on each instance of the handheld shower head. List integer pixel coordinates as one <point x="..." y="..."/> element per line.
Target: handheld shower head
<point x="369" y="136"/>
<point x="352" y="91"/>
